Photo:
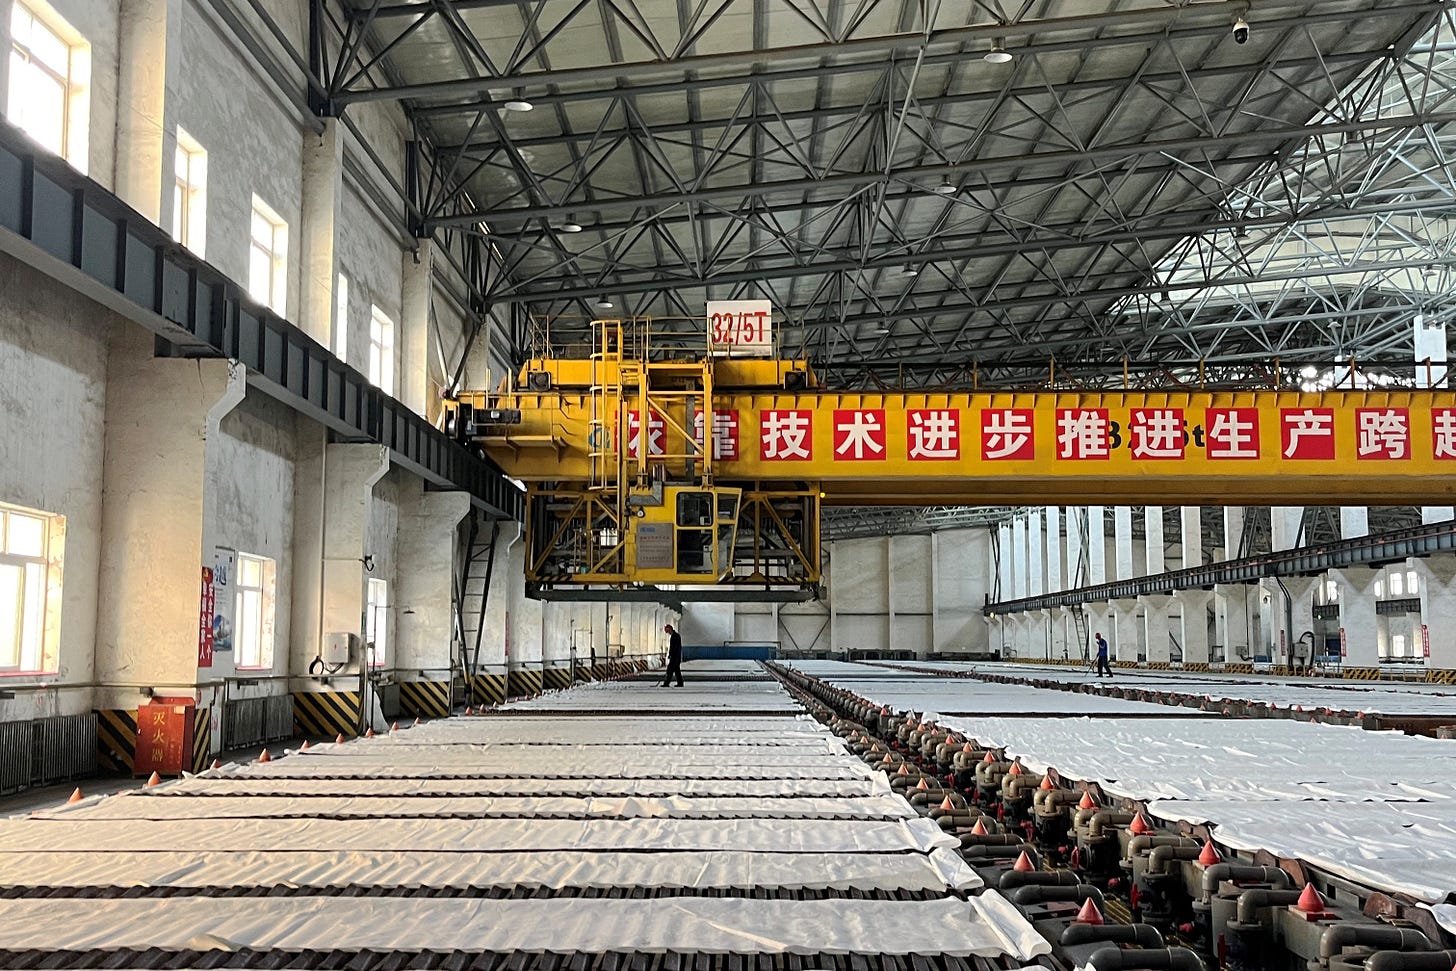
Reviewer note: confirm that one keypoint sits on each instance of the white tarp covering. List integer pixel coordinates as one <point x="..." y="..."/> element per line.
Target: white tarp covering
<point x="217" y="784"/>
<point x="540" y="807"/>
<point x="984" y="926"/>
<point x="1377" y="807"/>
<point x="535" y="835"/>
<point x="936" y="870"/>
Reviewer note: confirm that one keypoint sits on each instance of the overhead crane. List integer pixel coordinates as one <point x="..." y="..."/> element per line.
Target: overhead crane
<point x="718" y="493"/>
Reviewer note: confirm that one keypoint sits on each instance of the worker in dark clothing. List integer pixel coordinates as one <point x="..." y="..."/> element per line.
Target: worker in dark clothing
<point x="674" y="657"/>
<point x="1103" y="668"/>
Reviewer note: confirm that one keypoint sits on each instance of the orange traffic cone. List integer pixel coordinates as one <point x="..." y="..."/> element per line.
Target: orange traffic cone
<point x="1015" y="769"/>
<point x="1310" y="900"/>
<point x="1087" y="801"/>
<point x="1209" y="855"/>
<point x="339" y="739"/>
<point x="1089" y="914"/>
<point x="1139" y="826"/>
<point x="1023" y="863"/>
<point x="217" y="763"/>
<point x="369" y="732"/>
<point x="946" y="804"/>
<point x="75" y="797"/>
<point x="980" y="828"/>
<point x="394" y="727"/>
<point x="968" y="747"/>
<point x="155" y="780"/>
<point x="265" y="757"/>
<point x="904" y="769"/>
<point x="921" y="784"/>
<point x="1046" y="783"/>
<point x="468" y="711"/>
<point x="989" y="757"/>
<point x="304" y="746"/>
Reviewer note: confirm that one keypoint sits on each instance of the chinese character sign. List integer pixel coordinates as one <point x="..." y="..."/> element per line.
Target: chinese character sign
<point x="656" y="432"/>
<point x="204" y="625"/>
<point x="1232" y="433"/>
<point x="725" y="434"/>
<point x="1008" y="433"/>
<point x="1157" y="433"/>
<point x="1382" y="433"/>
<point x="859" y="435"/>
<point x="934" y="434"/>
<point x="787" y="435"/>
<point x="1084" y="433"/>
<point x="1307" y="433"/>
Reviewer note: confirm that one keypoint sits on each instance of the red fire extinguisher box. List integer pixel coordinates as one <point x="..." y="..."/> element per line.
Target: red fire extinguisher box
<point x="164" y="736"/>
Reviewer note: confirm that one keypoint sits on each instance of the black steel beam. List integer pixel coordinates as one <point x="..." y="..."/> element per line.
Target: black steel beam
<point x="1391" y="547"/>
<point x="72" y="229"/>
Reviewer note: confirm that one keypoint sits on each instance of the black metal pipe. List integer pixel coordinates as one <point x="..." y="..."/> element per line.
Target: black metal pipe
<point x="1040" y="893"/>
<point x="1141" y="935"/>
<point x="1173" y="958"/>
<point x="1252" y="901"/>
<point x="1345" y="934"/>
<point x="1012" y="879"/>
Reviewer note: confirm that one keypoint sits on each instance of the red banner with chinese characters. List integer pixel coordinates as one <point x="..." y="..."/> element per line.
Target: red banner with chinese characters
<point x="204" y="626"/>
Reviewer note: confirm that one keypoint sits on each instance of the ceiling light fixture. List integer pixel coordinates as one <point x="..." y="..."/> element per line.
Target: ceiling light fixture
<point x="998" y="53"/>
<point x="518" y="104"/>
<point x="571" y="227"/>
<point x="604" y="304"/>
<point x="909" y="270"/>
<point x="946" y="188"/>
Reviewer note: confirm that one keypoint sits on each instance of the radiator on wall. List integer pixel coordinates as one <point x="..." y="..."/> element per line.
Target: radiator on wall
<point x="46" y="750"/>
<point x="254" y="721"/>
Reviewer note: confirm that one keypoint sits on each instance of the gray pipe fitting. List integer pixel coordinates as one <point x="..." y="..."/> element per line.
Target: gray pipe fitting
<point x="1011" y="879"/>
<point x="1161" y="856"/>
<point x="1219" y="872"/>
<point x="1140" y="935"/>
<point x="1104" y="819"/>
<point x="1345" y="934"/>
<point x="1411" y="961"/>
<point x="1040" y="893"/>
<point x="1114" y="958"/>
<point x="1253" y="901"/>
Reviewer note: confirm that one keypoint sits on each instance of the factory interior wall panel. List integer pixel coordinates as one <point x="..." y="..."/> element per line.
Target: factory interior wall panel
<point x="804" y="628"/>
<point x="159" y="415"/>
<point x="423" y="601"/>
<point x="961" y="587"/>
<point x="380" y="547"/>
<point x="253" y="137"/>
<point x="756" y="624"/>
<point x="706" y="623"/>
<point x="249" y="509"/>
<point x="53" y="348"/>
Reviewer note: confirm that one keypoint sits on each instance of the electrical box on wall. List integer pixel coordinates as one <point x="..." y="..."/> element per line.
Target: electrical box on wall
<point x="340" y="648"/>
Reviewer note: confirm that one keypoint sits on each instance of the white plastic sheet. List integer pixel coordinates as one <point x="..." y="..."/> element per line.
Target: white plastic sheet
<point x="223" y="784"/>
<point x="981" y="926"/>
<point x="479" y="835"/>
<point x="934" y="871"/>
<point x="538" y="807"/>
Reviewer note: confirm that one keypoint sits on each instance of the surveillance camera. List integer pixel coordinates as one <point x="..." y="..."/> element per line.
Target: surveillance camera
<point x="1241" y="31"/>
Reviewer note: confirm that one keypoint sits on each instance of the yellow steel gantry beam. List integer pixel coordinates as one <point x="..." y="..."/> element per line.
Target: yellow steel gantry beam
<point x="995" y="448"/>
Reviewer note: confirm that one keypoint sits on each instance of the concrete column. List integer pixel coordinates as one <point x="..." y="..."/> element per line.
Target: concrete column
<point x="424" y="607"/>
<point x="1075" y="543"/>
<point x="1193" y="624"/>
<point x="1122" y="633"/>
<point x="1233" y="531"/>
<point x="1438" y="609"/>
<point x="148" y="46"/>
<point x="1122" y="537"/>
<point x="1236" y="611"/>
<point x="1359" y="624"/>
<point x="1096" y="540"/>
<point x="1041" y="634"/>
<point x="1354" y="522"/>
<point x="1066" y="630"/>
<point x="1190" y="535"/>
<point x="1018" y="559"/>
<point x="1052" y="518"/>
<point x="420" y="389"/>
<point x="1153" y="544"/>
<point x="1284" y="524"/>
<point x="161" y="414"/>
<point x="333" y="503"/>
<point x="1035" y="560"/>
<point x="1156" y="627"/>
<point x="1289" y="624"/>
<point x="1005" y="574"/>
<point x="323" y="203"/>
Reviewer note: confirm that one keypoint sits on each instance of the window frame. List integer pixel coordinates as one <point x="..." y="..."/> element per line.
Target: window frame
<point x="266" y="591"/>
<point x="189" y="193"/>
<point x="74" y="81"/>
<point x="381" y="350"/>
<point x="376" y="622"/>
<point x="276" y="252"/>
<point x="39" y="658"/>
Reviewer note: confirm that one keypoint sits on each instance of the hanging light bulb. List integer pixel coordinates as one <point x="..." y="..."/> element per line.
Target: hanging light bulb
<point x="998" y="53"/>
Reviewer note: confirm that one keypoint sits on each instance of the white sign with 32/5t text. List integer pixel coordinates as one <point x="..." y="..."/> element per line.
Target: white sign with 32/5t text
<point x="740" y="328"/>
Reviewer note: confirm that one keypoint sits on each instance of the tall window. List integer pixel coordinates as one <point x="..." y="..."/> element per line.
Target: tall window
<point x="49" y="73"/>
<point x="376" y="628"/>
<point x="189" y="194"/>
<point x="268" y="258"/>
<point x="26" y="597"/>
<point x="253" y="626"/>
<point x="341" y="319"/>
<point x="381" y="351"/>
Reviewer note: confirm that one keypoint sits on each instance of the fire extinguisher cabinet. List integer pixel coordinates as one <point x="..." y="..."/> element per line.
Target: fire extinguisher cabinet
<point x="164" y="736"/>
